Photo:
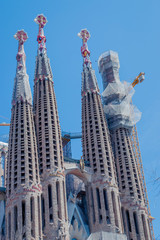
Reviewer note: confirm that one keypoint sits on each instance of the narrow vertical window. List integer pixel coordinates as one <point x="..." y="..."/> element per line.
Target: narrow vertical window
<point x="64" y="200"/>
<point x="105" y="199"/>
<point x="43" y="212"/>
<point x="31" y="208"/>
<point x="98" y="198"/>
<point x="123" y="218"/>
<point x="39" y="220"/>
<point x="58" y="200"/>
<point x="23" y="213"/>
<point x="106" y="205"/>
<point x="50" y="196"/>
<point x="94" y="219"/>
<point x="32" y="212"/>
<point x="135" y="222"/>
<point x="15" y="219"/>
<point x="128" y="221"/>
<point x="9" y="225"/>
<point x="50" y="203"/>
<point x="99" y="204"/>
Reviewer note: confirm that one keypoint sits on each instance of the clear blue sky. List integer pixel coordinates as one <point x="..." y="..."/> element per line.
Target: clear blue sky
<point x="132" y="28"/>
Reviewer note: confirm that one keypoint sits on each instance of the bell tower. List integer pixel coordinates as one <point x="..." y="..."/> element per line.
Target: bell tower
<point x="23" y="215"/>
<point x="102" y="192"/>
<point x="50" y="152"/>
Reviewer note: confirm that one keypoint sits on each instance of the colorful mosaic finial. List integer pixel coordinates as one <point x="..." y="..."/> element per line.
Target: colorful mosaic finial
<point x="85" y="35"/>
<point x="21" y="36"/>
<point x="41" y="20"/>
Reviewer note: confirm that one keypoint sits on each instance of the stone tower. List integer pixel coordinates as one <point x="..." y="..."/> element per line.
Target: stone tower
<point x="121" y="118"/>
<point x="22" y="184"/>
<point x="50" y="152"/>
<point x="102" y="192"/>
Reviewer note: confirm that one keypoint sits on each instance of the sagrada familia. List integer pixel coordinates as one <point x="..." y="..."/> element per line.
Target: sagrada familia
<point x="103" y="196"/>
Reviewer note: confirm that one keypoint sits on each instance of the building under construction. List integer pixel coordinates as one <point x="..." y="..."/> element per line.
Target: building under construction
<point x="48" y="194"/>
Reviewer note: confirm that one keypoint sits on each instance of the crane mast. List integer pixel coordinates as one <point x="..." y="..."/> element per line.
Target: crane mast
<point x="137" y="152"/>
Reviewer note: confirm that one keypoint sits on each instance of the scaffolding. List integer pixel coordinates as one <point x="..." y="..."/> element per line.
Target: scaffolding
<point x="137" y="153"/>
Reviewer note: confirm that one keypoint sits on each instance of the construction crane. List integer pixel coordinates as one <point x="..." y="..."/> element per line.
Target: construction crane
<point x="135" y="143"/>
<point x="4" y="124"/>
<point x="138" y="79"/>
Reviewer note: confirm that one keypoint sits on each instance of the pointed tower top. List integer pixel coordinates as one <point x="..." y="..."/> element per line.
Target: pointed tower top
<point x="21" y="91"/>
<point x="43" y="68"/>
<point x="89" y="82"/>
<point x="41" y="20"/>
<point x="85" y="35"/>
<point x="21" y="36"/>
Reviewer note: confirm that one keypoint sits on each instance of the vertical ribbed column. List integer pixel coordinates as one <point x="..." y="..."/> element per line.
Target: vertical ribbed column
<point x="23" y="183"/>
<point x="51" y="166"/>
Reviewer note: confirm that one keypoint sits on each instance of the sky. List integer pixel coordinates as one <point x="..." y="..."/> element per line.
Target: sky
<point x="130" y="28"/>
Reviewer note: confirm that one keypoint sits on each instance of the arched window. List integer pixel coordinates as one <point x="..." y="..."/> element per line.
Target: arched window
<point x="2" y="181"/>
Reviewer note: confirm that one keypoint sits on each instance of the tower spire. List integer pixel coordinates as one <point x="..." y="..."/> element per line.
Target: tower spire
<point x="89" y="82"/>
<point x="21" y="36"/>
<point x="51" y="162"/>
<point x="85" y="35"/>
<point x="43" y="68"/>
<point x="102" y="191"/>
<point x="41" y="20"/>
<point x="23" y="189"/>
<point x="21" y="91"/>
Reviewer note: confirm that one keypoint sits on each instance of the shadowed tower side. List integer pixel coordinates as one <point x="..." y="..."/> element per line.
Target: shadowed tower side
<point x="22" y="184"/>
<point x="51" y="165"/>
<point x="102" y="192"/>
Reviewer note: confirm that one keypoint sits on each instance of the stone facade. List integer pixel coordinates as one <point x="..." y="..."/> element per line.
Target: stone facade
<point x="105" y="197"/>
